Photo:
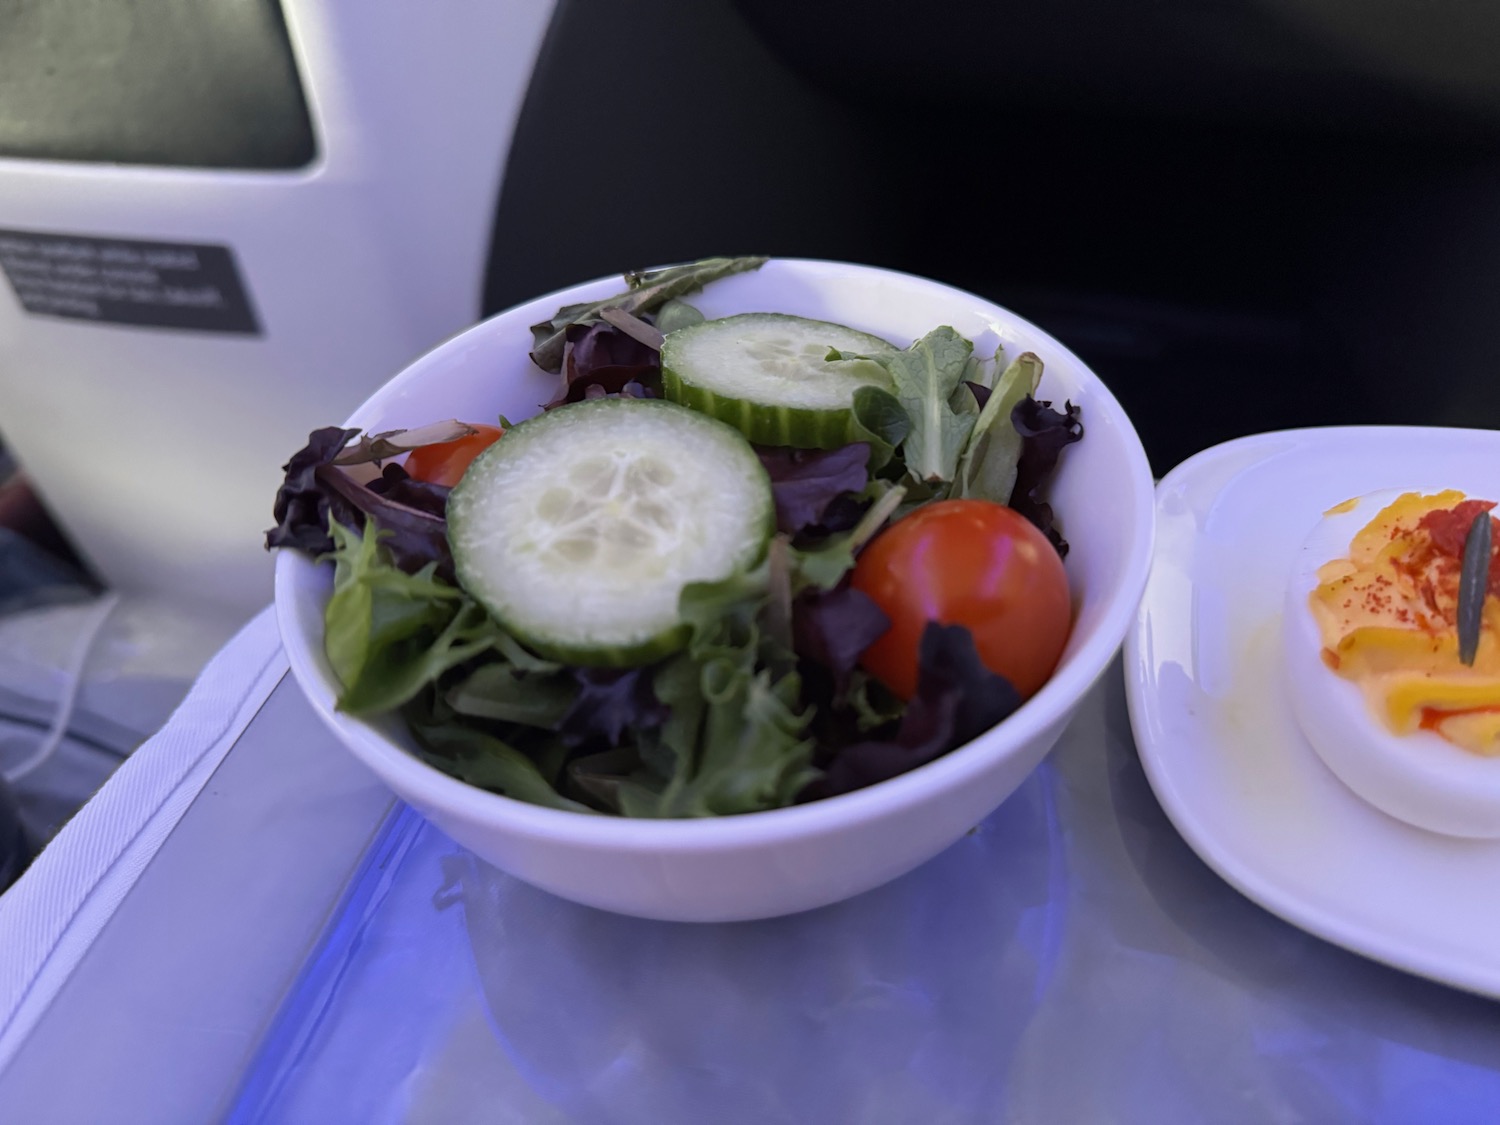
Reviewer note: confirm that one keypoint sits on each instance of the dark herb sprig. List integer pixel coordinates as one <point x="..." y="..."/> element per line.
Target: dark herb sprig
<point x="645" y="292"/>
<point x="1473" y="584"/>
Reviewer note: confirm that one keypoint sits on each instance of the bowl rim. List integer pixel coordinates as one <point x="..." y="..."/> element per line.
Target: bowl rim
<point x="429" y="786"/>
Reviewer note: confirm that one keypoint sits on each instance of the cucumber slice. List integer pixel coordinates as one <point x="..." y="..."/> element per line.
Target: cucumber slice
<point x="580" y="527"/>
<point x="768" y="375"/>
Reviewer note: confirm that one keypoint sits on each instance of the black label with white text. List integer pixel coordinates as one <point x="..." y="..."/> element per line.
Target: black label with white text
<point x="124" y="281"/>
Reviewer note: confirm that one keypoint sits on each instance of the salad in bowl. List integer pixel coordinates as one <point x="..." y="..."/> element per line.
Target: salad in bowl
<point x="667" y="591"/>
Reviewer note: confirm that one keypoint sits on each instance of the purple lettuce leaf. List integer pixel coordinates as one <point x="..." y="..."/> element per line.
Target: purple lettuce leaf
<point x="399" y="486"/>
<point x="413" y="536"/>
<point x="1045" y="433"/>
<point x="609" y="703"/>
<point x="842" y="514"/>
<point x="805" y="483"/>
<point x="957" y="699"/>
<point x="301" y="510"/>
<point x="315" y="492"/>
<point x="601" y="356"/>
<point x="832" y="629"/>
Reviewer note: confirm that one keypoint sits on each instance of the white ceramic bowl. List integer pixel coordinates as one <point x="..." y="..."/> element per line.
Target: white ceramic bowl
<point x="761" y="864"/>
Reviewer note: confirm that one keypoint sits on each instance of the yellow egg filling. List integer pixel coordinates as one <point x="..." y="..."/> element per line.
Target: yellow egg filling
<point x="1387" y="614"/>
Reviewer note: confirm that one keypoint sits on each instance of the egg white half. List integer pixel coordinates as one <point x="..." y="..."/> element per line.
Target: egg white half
<point x="1419" y="777"/>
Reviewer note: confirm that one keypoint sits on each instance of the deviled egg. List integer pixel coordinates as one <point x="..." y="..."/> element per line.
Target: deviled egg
<point x="1372" y="660"/>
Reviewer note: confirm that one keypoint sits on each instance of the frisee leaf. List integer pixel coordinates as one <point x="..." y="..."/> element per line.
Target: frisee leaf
<point x="1473" y="585"/>
<point x="734" y="738"/>
<point x="752" y="753"/>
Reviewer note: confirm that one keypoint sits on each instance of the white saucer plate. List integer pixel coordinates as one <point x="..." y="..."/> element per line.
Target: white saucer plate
<point x="1215" y="728"/>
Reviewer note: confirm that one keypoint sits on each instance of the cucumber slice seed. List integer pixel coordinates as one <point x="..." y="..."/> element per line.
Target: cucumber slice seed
<point x="579" y="529"/>
<point x="768" y="375"/>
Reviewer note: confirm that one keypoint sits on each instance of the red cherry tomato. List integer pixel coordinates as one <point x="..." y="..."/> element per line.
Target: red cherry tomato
<point x="446" y="461"/>
<point x="969" y="563"/>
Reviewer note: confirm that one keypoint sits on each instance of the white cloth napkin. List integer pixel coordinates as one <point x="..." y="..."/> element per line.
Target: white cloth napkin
<point x="52" y="914"/>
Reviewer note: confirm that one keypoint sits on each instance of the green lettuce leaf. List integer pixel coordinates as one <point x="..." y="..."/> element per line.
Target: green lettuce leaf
<point x="734" y="739"/>
<point x="505" y="693"/>
<point x="926" y="377"/>
<point x="748" y="752"/>
<point x="389" y="634"/>
<point x="481" y="759"/>
<point x="881" y="422"/>
<point x="987" y="469"/>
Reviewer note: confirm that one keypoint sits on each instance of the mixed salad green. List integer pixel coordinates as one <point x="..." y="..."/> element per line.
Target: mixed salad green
<point x="733" y="565"/>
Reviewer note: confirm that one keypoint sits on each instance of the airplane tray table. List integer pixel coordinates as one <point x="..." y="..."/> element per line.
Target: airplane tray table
<point x="301" y="949"/>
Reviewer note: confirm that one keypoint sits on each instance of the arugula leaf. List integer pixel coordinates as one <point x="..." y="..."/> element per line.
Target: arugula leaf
<point x="374" y="605"/>
<point x="505" y="693"/>
<point x="388" y="634"/>
<point x="395" y="674"/>
<point x="925" y="377"/>
<point x="644" y="292"/>
<point x="481" y="759"/>
<point x="987" y="468"/>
